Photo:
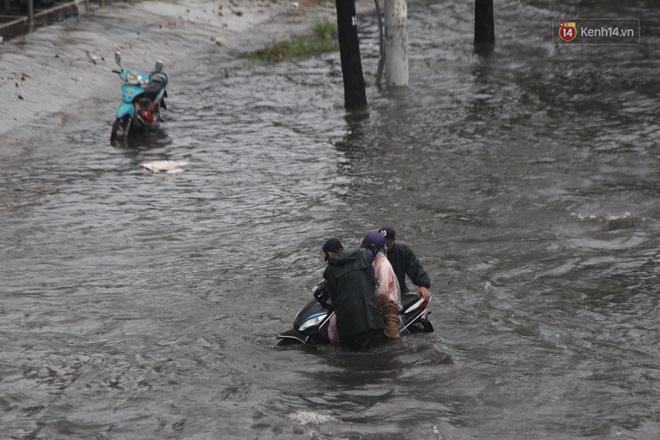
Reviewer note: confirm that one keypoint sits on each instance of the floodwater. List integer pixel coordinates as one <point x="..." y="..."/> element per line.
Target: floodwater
<point x="138" y="305"/>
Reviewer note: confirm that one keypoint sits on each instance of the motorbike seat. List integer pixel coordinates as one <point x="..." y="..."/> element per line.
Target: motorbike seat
<point x="153" y="86"/>
<point x="408" y="299"/>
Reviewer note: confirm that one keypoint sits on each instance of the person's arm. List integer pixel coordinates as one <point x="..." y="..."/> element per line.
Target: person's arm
<point x="418" y="275"/>
<point x="416" y="271"/>
<point x="328" y="281"/>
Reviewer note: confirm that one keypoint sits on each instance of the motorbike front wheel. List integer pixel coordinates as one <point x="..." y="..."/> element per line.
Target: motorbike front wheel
<point x="120" y="128"/>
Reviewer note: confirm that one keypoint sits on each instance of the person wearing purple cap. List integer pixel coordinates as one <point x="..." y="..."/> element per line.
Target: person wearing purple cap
<point x="404" y="262"/>
<point x="351" y="282"/>
<point x="387" y="286"/>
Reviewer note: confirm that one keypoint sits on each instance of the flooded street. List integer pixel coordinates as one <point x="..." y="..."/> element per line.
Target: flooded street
<point x="139" y="305"/>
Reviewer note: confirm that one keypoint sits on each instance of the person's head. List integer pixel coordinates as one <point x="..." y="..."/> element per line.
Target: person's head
<point x="389" y="234"/>
<point x="331" y="248"/>
<point x="374" y="242"/>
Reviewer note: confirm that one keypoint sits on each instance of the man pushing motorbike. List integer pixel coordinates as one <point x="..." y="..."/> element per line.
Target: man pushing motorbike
<point x="404" y="262"/>
<point x="351" y="282"/>
<point x="362" y="284"/>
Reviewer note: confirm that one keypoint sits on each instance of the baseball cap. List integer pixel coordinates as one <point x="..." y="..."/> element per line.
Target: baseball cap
<point x="387" y="232"/>
<point x="332" y="245"/>
<point x="374" y="240"/>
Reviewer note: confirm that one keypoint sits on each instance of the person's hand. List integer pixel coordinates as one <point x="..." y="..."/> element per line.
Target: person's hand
<point x="425" y="293"/>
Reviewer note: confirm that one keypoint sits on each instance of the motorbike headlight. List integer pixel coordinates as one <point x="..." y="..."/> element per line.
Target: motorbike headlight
<point x="316" y="320"/>
<point x="133" y="79"/>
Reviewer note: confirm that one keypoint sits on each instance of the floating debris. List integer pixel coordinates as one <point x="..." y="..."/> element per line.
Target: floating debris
<point x="167" y="166"/>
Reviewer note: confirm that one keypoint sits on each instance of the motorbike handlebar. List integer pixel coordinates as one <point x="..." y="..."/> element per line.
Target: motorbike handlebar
<point x="322" y="295"/>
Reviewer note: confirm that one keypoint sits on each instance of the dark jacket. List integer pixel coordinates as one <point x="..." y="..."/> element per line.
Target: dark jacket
<point x="404" y="262"/>
<point x="352" y="285"/>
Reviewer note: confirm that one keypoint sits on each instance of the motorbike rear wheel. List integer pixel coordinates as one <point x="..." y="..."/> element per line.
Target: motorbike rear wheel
<point x="120" y="128"/>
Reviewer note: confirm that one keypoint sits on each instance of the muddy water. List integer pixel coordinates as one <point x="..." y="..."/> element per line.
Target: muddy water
<point x="145" y="306"/>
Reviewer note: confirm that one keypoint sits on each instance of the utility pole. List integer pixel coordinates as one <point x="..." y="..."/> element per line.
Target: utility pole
<point x="484" y="27"/>
<point x="349" y="52"/>
<point x="396" y="43"/>
<point x="30" y="11"/>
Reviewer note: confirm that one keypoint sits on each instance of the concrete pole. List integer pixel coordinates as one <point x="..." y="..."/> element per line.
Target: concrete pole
<point x="396" y="43"/>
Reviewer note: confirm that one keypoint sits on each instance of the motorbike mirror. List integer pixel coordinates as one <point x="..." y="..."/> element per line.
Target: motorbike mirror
<point x="118" y="58"/>
<point x="159" y="66"/>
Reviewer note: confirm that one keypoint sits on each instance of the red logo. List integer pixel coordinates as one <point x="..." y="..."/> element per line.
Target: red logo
<point x="567" y="31"/>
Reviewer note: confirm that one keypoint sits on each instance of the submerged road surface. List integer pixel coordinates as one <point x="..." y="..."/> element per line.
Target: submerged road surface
<point x="141" y="305"/>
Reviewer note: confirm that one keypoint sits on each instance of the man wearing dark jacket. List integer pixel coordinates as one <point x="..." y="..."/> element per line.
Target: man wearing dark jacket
<point x="404" y="262"/>
<point x="352" y="284"/>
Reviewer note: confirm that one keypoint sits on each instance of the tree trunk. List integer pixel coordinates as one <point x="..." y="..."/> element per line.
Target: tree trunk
<point x="349" y="51"/>
<point x="484" y="26"/>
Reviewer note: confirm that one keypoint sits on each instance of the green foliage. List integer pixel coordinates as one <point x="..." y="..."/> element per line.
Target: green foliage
<point x="324" y="29"/>
<point x="322" y="40"/>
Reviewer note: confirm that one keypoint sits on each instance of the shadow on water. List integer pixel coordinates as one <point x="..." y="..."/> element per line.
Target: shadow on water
<point x="350" y="144"/>
<point x="386" y="360"/>
<point x="145" y="146"/>
<point x="146" y="140"/>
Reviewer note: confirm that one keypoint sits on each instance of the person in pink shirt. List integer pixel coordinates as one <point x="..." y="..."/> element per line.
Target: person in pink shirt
<point x="387" y="286"/>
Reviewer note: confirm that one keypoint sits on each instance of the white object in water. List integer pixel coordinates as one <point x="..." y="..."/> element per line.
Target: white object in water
<point x="168" y="166"/>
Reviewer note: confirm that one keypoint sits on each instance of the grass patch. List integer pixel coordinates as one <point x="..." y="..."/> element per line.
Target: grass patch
<point x="322" y="40"/>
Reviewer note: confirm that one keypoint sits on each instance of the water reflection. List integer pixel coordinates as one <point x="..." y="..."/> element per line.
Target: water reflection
<point x="146" y="140"/>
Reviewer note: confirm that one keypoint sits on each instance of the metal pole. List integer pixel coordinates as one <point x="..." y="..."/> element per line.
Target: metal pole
<point x="396" y="43"/>
<point x="381" y="46"/>
<point x="30" y="15"/>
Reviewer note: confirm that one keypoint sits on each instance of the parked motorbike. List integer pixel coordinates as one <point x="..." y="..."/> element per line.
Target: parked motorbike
<point x="311" y="324"/>
<point x="143" y="96"/>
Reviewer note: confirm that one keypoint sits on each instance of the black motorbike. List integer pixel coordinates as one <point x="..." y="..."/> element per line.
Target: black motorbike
<point x="311" y="324"/>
